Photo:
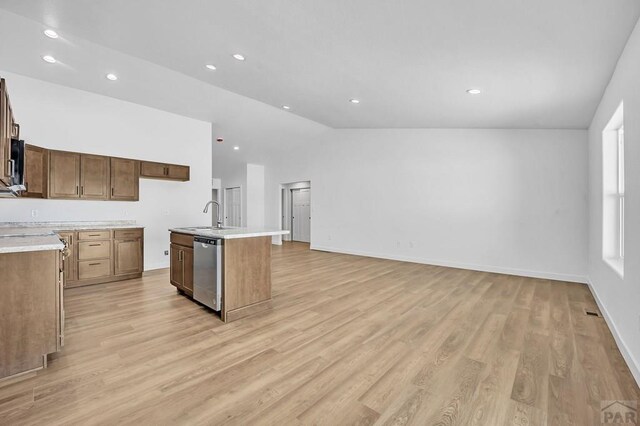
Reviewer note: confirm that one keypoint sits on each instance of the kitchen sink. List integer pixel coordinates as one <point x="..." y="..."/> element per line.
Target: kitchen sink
<point x="209" y="228"/>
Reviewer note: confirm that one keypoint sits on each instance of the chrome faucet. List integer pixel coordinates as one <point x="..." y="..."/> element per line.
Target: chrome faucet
<point x="206" y="210"/>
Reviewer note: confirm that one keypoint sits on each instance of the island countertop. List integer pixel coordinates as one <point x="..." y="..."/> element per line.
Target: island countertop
<point x="228" y="233"/>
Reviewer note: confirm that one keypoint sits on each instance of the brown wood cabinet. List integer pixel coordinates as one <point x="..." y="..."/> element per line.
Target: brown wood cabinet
<point x="94" y="177"/>
<point x="64" y="175"/>
<point x="246" y="271"/>
<point x="70" y="263"/>
<point x="125" y="179"/>
<point x="180" y="173"/>
<point x="36" y="172"/>
<point x="182" y="267"/>
<point x="70" y="175"/>
<point x="127" y="256"/>
<point x="149" y="169"/>
<point x="32" y="323"/>
<point x="181" y="261"/>
<point x="99" y="256"/>
<point x="8" y="129"/>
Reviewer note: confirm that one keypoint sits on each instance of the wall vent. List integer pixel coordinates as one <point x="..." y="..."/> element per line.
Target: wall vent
<point x="592" y="312"/>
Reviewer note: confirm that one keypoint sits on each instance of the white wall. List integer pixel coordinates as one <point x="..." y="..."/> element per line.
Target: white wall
<point x="619" y="297"/>
<point x="255" y="196"/>
<point x="510" y="201"/>
<point x="58" y="117"/>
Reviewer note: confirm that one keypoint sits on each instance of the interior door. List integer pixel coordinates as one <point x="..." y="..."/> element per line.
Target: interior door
<point x="301" y="214"/>
<point x="233" y="206"/>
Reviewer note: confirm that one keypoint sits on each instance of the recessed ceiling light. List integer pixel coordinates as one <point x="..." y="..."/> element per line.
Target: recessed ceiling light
<point x="354" y="101"/>
<point x="236" y="148"/>
<point x="239" y="57"/>
<point x="474" y="91"/>
<point x="50" y="59"/>
<point x="286" y="107"/>
<point x="211" y="67"/>
<point x="112" y="77"/>
<point x="51" y="33"/>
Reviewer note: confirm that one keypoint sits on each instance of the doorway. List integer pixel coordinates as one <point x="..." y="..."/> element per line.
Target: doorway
<point x="295" y="199"/>
<point x="301" y="214"/>
<point x="215" y="196"/>
<point x="233" y="207"/>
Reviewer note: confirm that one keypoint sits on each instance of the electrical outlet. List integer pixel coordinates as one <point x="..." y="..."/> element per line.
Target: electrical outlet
<point x="166" y="252"/>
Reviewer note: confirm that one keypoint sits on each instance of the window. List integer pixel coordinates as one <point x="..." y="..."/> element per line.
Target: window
<point x="613" y="192"/>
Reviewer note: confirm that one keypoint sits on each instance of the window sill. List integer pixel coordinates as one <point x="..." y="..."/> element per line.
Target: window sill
<point x="617" y="264"/>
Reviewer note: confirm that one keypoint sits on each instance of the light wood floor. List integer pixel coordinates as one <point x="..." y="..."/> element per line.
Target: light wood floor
<point x="351" y="340"/>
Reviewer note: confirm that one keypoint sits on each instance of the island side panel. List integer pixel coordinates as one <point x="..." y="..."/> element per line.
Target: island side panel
<point x="247" y="276"/>
<point x="28" y="331"/>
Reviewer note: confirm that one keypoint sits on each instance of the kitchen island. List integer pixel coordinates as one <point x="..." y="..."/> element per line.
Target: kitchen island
<point x="226" y="269"/>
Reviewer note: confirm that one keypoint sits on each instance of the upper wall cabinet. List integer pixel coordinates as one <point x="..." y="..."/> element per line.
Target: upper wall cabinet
<point x="36" y="175"/>
<point x="125" y="180"/>
<point x="64" y="175"/>
<point x="94" y="177"/>
<point x="74" y="176"/>
<point x="8" y="129"/>
<point x="153" y="170"/>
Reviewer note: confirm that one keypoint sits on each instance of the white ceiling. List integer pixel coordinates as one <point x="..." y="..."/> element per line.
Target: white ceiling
<point x="540" y="64"/>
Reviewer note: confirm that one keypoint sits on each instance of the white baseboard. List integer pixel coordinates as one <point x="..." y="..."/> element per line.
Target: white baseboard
<point x="632" y="363"/>
<point x="155" y="266"/>
<point x="452" y="264"/>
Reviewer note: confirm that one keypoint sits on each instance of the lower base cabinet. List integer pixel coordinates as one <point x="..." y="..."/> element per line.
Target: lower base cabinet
<point x="182" y="267"/>
<point x="127" y="256"/>
<point x="100" y="256"/>
<point x="32" y="323"/>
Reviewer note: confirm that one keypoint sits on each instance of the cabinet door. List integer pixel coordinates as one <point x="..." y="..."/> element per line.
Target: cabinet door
<point x="125" y="181"/>
<point x="6" y="124"/>
<point x="176" y="273"/>
<point x="153" y="170"/>
<point x="187" y="268"/>
<point x="94" y="177"/>
<point x="64" y="175"/>
<point x="178" y="172"/>
<point x="70" y="264"/>
<point x="128" y="256"/>
<point x="35" y="177"/>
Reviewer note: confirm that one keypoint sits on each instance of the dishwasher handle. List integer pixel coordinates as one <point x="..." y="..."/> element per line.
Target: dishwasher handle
<point x="205" y="241"/>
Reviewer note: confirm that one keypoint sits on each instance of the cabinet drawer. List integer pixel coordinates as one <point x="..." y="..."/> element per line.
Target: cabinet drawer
<point x="94" y="235"/>
<point x="182" y="239"/>
<point x="94" y="250"/>
<point x="94" y="269"/>
<point x="127" y="233"/>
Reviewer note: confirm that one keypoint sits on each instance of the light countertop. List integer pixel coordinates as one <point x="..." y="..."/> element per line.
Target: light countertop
<point x="38" y="236"/>
<point x="14" y="244"/>
<point x="68" y="226"/>
<point x="229" y="233"/>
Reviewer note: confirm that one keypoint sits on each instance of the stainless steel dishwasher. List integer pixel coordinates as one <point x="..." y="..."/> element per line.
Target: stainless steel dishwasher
<point x="207" y="271"/>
